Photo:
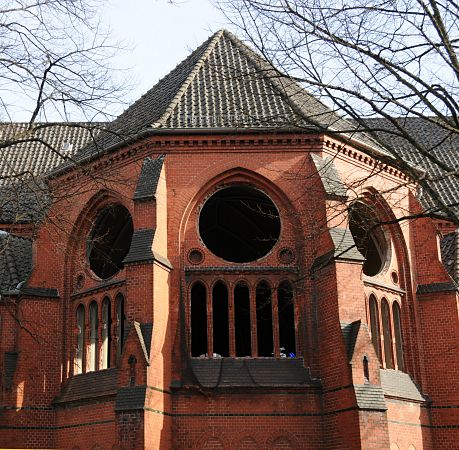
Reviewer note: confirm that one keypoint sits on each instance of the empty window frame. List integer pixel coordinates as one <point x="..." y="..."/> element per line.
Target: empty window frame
<point x="389" y="343"/>
<point x="93" y="337"/>
<point x="242" y="322"/>
<point x="105" y="348"/>
<point x="80" y="341"/>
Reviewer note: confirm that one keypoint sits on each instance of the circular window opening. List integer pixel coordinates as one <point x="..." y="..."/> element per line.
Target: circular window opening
<point x="239" y="224"/>
<point x="369" y="237"/>
<point x="110" y="240"/>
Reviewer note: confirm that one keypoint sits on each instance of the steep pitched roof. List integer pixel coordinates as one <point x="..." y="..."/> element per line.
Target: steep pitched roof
<point x="41" y="148"/>
<point x="223" y="84"/>
<point x="439" y="142"/>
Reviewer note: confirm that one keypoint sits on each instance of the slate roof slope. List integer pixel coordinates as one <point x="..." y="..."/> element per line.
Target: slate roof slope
<point x="222" y="84"/>
<point x="15" y="261"/>
<point x="41" y="149"/>
<point x="439" y="142"/>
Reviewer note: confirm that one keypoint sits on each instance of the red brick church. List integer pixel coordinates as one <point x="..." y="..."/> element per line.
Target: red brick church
<point x="226" y="266"/>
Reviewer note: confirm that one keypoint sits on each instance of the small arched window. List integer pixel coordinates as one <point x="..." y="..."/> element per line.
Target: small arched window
<point x="120" y="325"/>
<point x="396" y="314"/>
<point x="93" y="337"/>
<point x="387" y="335"/>
<point x="198" y="319"/>
<point x="264" y="319"/>
<point x="80" y="332"/>
<point x="106" y="334"/>
<point x="286" y="319"/>
<point x="220" y="319"/>
<point x="374" y="325"/>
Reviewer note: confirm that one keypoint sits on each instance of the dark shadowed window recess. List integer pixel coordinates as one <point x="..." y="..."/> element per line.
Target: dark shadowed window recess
<point x="239" y="224"/>
<point x="374" y="325"/>
<point x="198" y="319"/>
<point x="110" y="240"/>
<point x="120" y="325"/>
<point x="286" y="319"/>
<point x="220" y="319"/>
<point x="106" y="334"/>
<point x="388" y="357"/>
<point x="242" y="320"/>
<point x="396" y="313"/>
<point x="264" y="320"/>
<point x="93" y="337"/>
<point x="369" y="237"/>
<point x="80" y="344"/>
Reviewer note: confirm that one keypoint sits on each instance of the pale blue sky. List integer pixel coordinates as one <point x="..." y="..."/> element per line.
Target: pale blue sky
<point x="160" y="35"/>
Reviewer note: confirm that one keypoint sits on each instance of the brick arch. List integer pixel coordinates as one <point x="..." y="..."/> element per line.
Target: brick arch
<point x="237" y="175"/>
<point x="245" y="443"/>
<point x="212" y="443"/>
<point x="282" y="441"/>
<point x="385" y="213"/>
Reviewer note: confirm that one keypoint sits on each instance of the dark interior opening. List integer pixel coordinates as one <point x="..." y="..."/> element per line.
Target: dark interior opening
<point x="368" y="236"/>
<point x="121" y="325"/>
<point x="242" y="320"/>
<point x="220" y="319"/>
<point x="286" y="319"/>
<point x="396" y="313"/>
<point x="107" y="331"/>
<point x="374" y="326"/>
<point x="387" y="335"/>
<point x="198" y="320"/>
<point x="264" y="320"/>
<point x="110" y="240"/>
<point x="239" y="224"/>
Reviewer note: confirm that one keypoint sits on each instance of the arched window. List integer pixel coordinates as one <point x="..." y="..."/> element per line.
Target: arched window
<point x="198" y="319"/>
<point x="396" y="314"/>
<point x="120" y="325"/>
<point x="264" y="319"/>
<point x="374" y="325"/>
<point x="80" y="331"/>
<point x="242" y="320"/>
<point x="106" y="334"/>
<point x="220" y="319"/>
<point x="286" y="318"/>
<point x="93" y="336"/>
<point x="387" y="335"/>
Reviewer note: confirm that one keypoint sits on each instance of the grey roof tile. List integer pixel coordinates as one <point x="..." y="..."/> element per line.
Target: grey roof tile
<point x="15" y="261"/>
<point x="89" y="385"/>
<point x="144" y="335"/>
<point x="448" y="246"/>
<point x="331" y="180"/>
<point x="248" y="372"/>
<point x="436" y="287"/>
<point x="345" y="247"/>
<point x="141" y="247"/>
<point x="130" y="398"/>
<point x="350" y="332"/>
<point x="370" y="396"/>
<point x="40" y="148"/>
<point x="439" y="142"/>
<point x="149" y="178"/>
<point x="399" y="384"/>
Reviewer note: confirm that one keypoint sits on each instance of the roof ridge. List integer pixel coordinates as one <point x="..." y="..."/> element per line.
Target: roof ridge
<point x="182" y="90"/>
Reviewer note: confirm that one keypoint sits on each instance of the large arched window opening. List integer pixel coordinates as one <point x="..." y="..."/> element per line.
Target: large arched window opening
<point x="286" y="314"/>
<point x="264" y="319"/>
<point x="369" y="237"/>
<point x="396" y="314"/>
<point x="198" y="319"/>
<point x="374" y="325"/>
<point x="80" y="344"/>
<point x="242" y="329"/>
<point x="110" y="240"/>
<point x="387" y="335"/>
<point x="220" y="319"/>
<point x="106" y="334"/>
<point x="93" y="337"/>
